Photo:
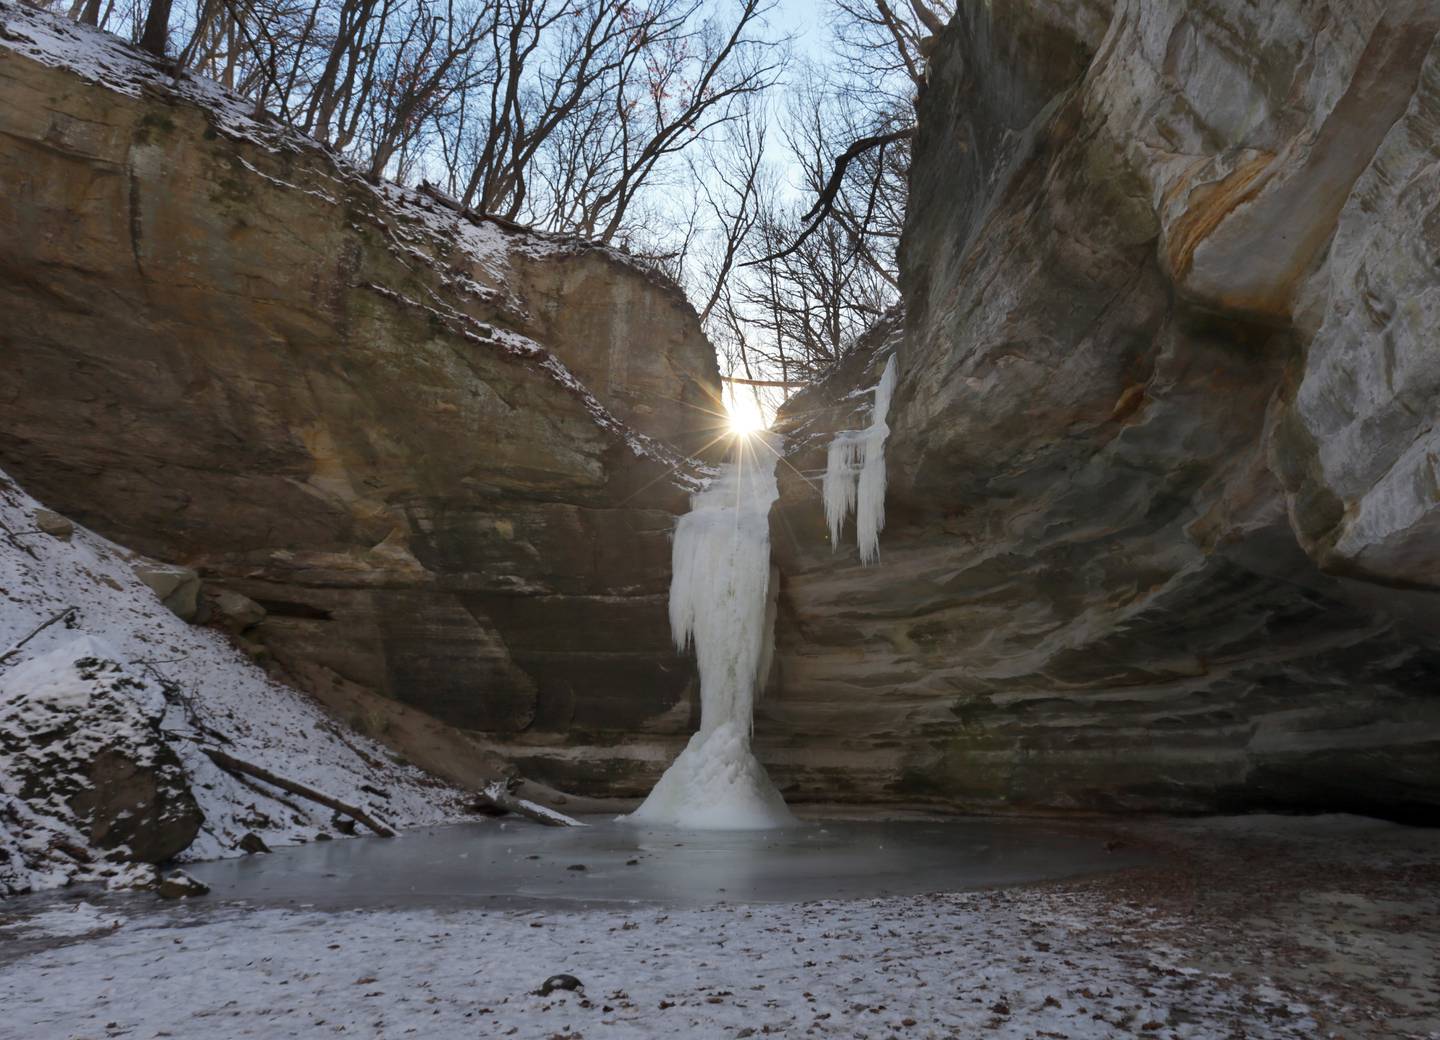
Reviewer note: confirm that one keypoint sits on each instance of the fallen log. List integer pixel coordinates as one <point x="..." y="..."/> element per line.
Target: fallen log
<point x="498" y="794"/>
<point x="67" y="615"/>
<point x="790" y="385"/>
<point x="231" y="764"/>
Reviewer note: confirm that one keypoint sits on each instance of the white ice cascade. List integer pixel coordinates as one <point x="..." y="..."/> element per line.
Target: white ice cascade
<point x="720" y="600"/>
<point x="855" y="474"/>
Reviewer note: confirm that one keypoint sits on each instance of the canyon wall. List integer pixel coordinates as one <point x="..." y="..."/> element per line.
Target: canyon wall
<point x="1163" y="471"/>
<point x="443" y="456"/>
<point x="1162" y="522"/>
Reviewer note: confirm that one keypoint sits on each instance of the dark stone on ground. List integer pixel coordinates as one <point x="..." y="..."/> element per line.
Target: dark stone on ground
<point x="252" y="843"/>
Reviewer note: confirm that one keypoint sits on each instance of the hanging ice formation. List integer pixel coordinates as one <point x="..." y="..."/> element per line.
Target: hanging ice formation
<point x="855" y="474"/>
<point x="721" y="601"/>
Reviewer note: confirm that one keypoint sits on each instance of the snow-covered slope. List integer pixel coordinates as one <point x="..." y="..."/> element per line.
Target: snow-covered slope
<point x="204" y="691"/>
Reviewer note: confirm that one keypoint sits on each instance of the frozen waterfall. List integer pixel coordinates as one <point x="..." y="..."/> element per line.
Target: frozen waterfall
<point x="855" y="474"/>
<point x="721" y="601"/>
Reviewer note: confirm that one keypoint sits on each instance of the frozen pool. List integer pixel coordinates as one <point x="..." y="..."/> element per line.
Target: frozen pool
<point x="510" y="863"/>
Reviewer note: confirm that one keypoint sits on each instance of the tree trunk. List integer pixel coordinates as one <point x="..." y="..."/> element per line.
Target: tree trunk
<point x="157" y="27"/>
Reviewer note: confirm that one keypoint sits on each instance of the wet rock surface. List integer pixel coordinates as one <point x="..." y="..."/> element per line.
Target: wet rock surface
<point x="1162" y="486"/>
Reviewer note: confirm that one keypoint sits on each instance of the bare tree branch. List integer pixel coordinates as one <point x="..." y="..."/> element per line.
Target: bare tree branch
<point x="823" y="205"/>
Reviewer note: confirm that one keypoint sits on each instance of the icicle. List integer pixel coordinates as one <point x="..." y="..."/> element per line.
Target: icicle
<point x="838" y="489"/>
<point x="855" y="474"/>
<point x="722" y="602"/>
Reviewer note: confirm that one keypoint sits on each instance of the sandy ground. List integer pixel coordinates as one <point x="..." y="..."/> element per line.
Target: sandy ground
<point x="1258" y="927"/>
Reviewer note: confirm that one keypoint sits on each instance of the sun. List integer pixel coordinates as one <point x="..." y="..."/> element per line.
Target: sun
<point x="743" y="416"/>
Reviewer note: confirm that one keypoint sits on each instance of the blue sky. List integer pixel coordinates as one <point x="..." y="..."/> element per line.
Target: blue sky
<point x="804" y="18"/>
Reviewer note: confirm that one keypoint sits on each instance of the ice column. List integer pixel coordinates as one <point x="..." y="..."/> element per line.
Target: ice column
<point x="855" y="474"/>
<point x="720" y="601"/>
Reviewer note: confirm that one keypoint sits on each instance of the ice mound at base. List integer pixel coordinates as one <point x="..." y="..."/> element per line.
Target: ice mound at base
<point x="715" y="784"/>
<point x="720" y="599"/>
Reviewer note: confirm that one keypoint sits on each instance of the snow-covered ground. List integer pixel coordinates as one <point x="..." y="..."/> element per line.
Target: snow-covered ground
<point x="1032" y="964"/>
<point x="1250" y="929"/>
<point x="217" y="697"/>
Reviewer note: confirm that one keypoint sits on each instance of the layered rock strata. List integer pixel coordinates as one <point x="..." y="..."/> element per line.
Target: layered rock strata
<point x="442" y="456"/>
<point x="1162" y="521"/>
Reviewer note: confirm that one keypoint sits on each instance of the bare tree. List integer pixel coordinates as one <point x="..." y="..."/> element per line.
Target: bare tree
<point x="432" y="63"/>
<point x="157" y="27"/>
<point x="677" y="99"/>
<point x="865" y="122"/>
<point x="640" y="123"/>
<point x="732" y="192"/>
<point x="553" y="64"/>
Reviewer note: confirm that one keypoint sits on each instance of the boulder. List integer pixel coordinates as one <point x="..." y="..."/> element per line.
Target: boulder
<point x="54" y="524"/>
<point x="232" y="611"/>
<point x="177" y="587"/>
<point x="252" y="843"/>
<point x="179" y="885"/>
<point x="80" y="742"/>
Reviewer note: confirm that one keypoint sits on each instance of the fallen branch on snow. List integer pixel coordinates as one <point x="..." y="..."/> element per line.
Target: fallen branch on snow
<point x="14" y="539"/>
<point x="67" y="615"/>
<point x="498" y="794"/>
<point x="231" y="764"/>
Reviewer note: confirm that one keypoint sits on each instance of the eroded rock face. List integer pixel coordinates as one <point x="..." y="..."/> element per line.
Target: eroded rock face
<point x="433" y="454"/>
<point x="1162" y="521"/>
<point x="80" y="743"/>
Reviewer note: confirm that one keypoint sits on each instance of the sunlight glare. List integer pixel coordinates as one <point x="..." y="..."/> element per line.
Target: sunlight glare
<point x="744" y="414"/>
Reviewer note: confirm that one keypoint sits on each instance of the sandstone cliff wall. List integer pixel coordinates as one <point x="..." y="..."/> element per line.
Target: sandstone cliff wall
<point x="1162" y="522"/>
<point x="1164" y="464"/>
<point x="435" y="452"/>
